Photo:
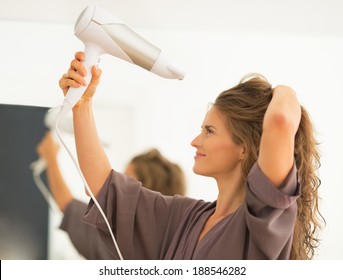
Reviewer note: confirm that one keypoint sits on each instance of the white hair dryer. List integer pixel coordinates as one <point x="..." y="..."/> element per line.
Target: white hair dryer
<point x="103" y="33"/>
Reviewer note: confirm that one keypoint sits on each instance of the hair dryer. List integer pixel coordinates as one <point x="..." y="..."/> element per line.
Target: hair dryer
<point x="103" y="33"/>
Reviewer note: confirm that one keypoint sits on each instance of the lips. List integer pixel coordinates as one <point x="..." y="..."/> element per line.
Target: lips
<point x="199" y="155"/>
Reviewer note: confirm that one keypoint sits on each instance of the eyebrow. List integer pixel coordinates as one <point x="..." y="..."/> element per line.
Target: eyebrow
<point x="208" y="127"/>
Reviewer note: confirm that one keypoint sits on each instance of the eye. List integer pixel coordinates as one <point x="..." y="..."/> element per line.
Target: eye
<point x="208" y="130"/>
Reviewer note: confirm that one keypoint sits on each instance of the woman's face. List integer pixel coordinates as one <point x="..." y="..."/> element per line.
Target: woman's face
<point x="216" y="153"/>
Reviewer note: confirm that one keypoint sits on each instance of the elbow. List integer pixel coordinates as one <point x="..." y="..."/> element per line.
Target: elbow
<point x="281" y="120"/>
<point x="286" y="121"/>
<point x="285" y="111"/>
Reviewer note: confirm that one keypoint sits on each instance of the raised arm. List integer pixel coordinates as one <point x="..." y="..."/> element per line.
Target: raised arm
<point x="48" y="150"/>
<point x="280" y="124"/>
<point x="92" y="158"/>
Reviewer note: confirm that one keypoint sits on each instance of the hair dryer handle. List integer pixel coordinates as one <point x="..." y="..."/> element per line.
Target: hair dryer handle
<point x="92" y="55"/>
<point x="91" y="58"/>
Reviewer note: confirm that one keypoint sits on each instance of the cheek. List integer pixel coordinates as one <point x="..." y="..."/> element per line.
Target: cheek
<point x="226" y="155"/>
<point x="223" y="149"/>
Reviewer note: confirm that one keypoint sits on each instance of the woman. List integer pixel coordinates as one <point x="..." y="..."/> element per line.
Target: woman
<point x="256" y="142"/>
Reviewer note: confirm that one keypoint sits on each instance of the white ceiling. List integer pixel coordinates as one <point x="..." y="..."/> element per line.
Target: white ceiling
<point x="323" y="17"/>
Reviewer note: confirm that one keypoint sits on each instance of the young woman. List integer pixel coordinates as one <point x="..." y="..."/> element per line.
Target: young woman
<point x="256" y="142"/>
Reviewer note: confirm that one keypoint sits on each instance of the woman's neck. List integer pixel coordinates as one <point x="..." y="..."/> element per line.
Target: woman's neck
<point x="231" y="194"/>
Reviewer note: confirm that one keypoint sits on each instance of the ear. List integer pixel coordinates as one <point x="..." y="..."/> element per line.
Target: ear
<point x="242" y="152"/>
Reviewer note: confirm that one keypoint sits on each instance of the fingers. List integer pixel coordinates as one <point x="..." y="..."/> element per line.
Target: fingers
<point x="96" y="74"/>
<point x="77" y="66"/>
<point x="65" y="83"/>
<point x="80" y="56"/>
<point x="75" y="77"/>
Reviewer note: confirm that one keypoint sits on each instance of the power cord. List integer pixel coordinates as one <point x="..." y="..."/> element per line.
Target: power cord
<point x="90" y="192"/>
<point x="38" y="167"/>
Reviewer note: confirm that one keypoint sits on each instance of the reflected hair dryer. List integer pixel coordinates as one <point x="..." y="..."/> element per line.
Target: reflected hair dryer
<point x="66" y="126"/>
<point x="103" y="33"/>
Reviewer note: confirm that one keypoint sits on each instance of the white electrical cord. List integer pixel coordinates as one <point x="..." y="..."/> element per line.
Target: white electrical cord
<point x="44" y="190"/>
<point x="89" y="191"/>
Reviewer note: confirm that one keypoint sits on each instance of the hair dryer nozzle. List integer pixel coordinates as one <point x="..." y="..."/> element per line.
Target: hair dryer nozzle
<point x="167" y="69"/>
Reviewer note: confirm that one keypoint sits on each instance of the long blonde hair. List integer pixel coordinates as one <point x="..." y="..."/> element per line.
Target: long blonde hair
<point x="244" y="107"/>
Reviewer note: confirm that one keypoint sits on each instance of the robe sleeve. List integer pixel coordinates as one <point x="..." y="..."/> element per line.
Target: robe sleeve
<point x="271" y="215"/>
<point x="85" y="238"/>
<point x="143" y="221"/>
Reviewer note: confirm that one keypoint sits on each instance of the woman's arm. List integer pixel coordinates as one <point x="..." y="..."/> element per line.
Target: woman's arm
<point x="92" y="158"/>
<point x="281" y="122"/>
<point x="48" y="150"/>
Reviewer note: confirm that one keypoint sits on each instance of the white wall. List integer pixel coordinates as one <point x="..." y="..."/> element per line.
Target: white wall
<point x="137" y="109"/>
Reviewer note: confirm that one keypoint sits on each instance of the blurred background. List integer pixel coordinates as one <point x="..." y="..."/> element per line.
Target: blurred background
<point x="298" y="43"/>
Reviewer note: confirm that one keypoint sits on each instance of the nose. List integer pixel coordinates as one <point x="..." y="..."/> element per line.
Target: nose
<point x="195" y="142"/>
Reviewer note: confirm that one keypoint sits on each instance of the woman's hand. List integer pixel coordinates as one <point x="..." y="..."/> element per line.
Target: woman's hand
<point x="75" y="77"/>
<point x="47" y="148"/>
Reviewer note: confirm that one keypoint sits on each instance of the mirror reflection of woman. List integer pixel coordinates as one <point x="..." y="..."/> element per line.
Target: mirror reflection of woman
<point x="151" y="168"/>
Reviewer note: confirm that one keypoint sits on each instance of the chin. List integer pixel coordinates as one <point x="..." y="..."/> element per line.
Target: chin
<point x="195" y="171"/>
<point x="199" y="172"/>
